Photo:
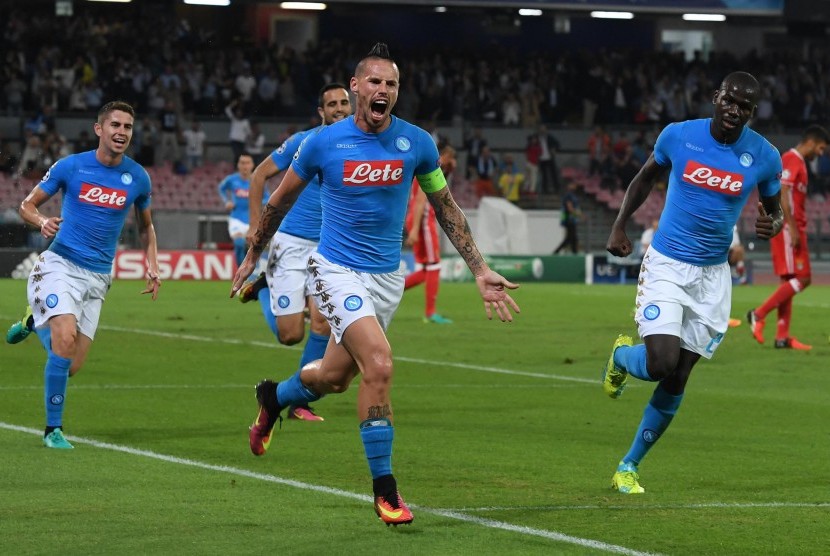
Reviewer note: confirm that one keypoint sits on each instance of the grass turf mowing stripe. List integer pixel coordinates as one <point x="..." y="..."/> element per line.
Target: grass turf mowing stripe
<point x="452" y="514"/>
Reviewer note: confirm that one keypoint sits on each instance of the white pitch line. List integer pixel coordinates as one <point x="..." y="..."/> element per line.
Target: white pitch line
<point x="490" y="523"/>
<point x="276" y="345"/>
<point x="701" y="505"/>
<point x="74" y="387"/>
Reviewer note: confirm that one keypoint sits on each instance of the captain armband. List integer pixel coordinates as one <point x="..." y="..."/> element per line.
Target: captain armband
<point x="432" y="182"/>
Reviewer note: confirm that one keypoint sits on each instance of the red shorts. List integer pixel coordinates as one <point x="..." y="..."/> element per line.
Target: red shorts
<point x="427" y="249"/>
<point x="788" y="261"/>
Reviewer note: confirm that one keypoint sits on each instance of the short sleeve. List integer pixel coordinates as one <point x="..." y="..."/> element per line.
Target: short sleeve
<point x="57" y="176"/>
<point x="307" y="159"/>
<point x="770" y="183"/>
<point x="666" y="143"/>
<point x="283" y="155"/>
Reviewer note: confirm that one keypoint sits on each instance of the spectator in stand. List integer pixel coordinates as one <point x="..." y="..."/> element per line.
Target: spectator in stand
<point x="486" y="167"/>
<point x="245" y="83"/>
<point x="168" y="149"/>
<point x="8" y="158"/>
<point x="569" y="218"/>
<point x="240" y="128"/>
<point x="194" y="144"/>
<point x="255" y="145"/>
<point x="474" y="143"/>
<point x="533" y="151"/>
<point x="599" y="151"/>
<point x="548" y="169"/>
<point x="511" y="179"/>
<point x="85" y="143"/>
<point x="626" y="167"/>
<point x="511" y="110"/>
<point x="31" y="161"/>
<point x="647" y="238"/>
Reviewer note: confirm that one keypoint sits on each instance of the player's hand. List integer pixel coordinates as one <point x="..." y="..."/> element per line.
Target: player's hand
<point x="618" y="243"/>
<point x="764" y="227"/>
<point x="411" y="238"/>
<point x="243" y="272"/>
<point x="491" y="285"/>
<point x="153" y="285"/>
<point x="795" y="240"/>
<point x="229" y="205"/>
<point x="249" y="237"/>
<point x="50" y="226"/>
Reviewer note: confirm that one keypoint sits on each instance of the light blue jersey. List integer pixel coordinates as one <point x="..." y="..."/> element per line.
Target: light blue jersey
<point x="365" y="180"/>
<point x="306" y="216"/>
<point x="96" y="200"/>
<point x="709" y="185"/>
<point x="234" y="189"/>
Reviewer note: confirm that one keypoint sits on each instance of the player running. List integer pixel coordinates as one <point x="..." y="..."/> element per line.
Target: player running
<point x="234" y="193"/>
<point x="685" y="288"/>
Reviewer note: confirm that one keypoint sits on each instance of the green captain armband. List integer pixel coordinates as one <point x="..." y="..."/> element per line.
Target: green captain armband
<point x="432" y="182"/>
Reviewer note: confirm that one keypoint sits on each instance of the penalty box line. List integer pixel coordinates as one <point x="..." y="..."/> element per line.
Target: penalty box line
<point x="452" y="514"/>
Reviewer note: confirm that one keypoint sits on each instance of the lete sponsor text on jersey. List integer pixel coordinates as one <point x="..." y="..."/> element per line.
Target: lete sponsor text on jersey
<point x="372" y="172"/>
<point x="103" y="196"/>
<point x="712" y="178"/>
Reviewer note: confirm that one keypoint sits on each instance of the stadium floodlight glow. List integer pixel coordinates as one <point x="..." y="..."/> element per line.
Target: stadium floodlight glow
<point x="704" y="17"/>
<point x="208" y="2"/>
<point x="302" y="6"/>
<point x="529" y="11"/>
<point x="440" y="9"/>
<point x="612" y="15"/>
<point x="119" y="1"/>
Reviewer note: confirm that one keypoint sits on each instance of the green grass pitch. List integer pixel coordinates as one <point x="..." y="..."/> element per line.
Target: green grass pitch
<point x="504" y="443"/>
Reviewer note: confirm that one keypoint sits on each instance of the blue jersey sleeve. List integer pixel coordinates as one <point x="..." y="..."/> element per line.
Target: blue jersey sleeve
<point x="770" y="183"/>
<point x="427" y="154"/>
<point x="226" y="189"/>
<point x="143" y="200"/>
<point x="283" y="155"/>
<point x="666" y="143"/>
<point x="309" y="153"/>
<point x="58" y="175"/>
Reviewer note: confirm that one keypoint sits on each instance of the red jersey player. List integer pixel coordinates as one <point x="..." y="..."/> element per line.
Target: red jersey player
<point x="790" y="254"/>
<point x="422" y="236"/>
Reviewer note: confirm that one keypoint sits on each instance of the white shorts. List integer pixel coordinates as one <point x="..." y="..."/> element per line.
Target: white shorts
<point x="684" y="300"/>
<point x="287" y="273"/>
<point x="237" y="227"/>
<point x="344" y="295"/>
<point x="59" y="287"/>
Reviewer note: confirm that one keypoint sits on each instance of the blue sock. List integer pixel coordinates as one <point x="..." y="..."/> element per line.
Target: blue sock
<point x="377" y="435"/>
<point x="657" y="416"/>
<point x="291" y="392"/>
<point x="314" y="348"/>
<point x="56" y="375"/>
<point x="633" y="360"/>
<point x="239" y="249"/>
<point x="264" y="297"/>
<point x="45" y="336"/>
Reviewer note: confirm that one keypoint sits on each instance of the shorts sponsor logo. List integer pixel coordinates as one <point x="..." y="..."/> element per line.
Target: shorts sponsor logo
<point x="711" y="178"/>
<point x="746" y="160"/>
<point x="126" y="178"/>
<point x="51" y="300"/>
<point x="650" y="436"/>
<point x="103" y="196"/>
<point x="283" y="301"/>
<point x="651" y="312"/>
<point x="353" y="303"/>
<point x="57" y="399"/>
<point x="372" y="172"/>
<point x="403" y="144"/>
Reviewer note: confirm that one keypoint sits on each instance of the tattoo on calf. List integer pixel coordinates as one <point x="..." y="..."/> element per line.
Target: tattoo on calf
<point x="379" y="411"/>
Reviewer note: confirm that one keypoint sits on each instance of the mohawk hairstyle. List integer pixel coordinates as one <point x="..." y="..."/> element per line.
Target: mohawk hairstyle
<point x="379" y="51"/>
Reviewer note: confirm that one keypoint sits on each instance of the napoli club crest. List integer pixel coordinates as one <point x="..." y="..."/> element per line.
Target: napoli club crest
<point x="126" y="178"/>
<point x="746" y="160"/>
<point x="651" y="312"/>
<point x="283" y="301"/>
<point x="353" y="303"/>
<point x="403" y="144"/>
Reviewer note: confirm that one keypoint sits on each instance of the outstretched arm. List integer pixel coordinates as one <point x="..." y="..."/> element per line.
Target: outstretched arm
<point x="275" y="210"/>
<point x="637" y="192"/>
<point x="147" y="235"/>
<point x="491" y="285"/>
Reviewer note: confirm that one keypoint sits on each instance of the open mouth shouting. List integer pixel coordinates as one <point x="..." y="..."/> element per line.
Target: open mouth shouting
<point x="378" y="109"/>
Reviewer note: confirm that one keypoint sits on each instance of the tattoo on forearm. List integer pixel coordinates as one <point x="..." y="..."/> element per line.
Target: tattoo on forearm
<point x="379" y="411"/>
<point x="457" y="228"/>
<point x="270" y="220"/>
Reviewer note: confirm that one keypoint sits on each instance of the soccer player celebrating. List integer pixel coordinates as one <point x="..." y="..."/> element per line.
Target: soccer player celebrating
<point x="790" y="254"/>
<point x="423" y="238"/>
<point x="68" y="283"/>
<point x="685" y="288"/>
<point x="366" y="164"/>
<point x="283" y="290"/>
<point x="234" y="193"/>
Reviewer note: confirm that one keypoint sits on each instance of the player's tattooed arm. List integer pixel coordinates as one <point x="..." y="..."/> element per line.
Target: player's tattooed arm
<point x="272" y="217"/>
<point x="455" y="225"/>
